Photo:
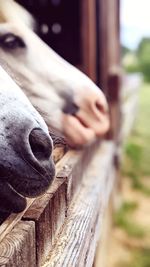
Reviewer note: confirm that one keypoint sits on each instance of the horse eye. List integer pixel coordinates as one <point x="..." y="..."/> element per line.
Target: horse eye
<point x="11" y="41"/>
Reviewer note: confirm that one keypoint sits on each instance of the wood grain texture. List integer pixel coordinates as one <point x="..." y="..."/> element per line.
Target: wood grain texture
<point x="76" y="167"/>
<point x="18" y="247"/>
<point x="58" y="153"/>
<point x="49" y="211"/>
<point x="13" y="219"/>
<point x="85" y="215"/>
<point x="88" y="38"/>
<point x="69" y="209"/>
<point x="101" y="255"/>
<point x="60" y="146"/>
<point x="109" y="59"/>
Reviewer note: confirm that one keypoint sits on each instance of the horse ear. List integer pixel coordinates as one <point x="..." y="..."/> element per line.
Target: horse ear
<point x="10" y="11"/>
<point x="24" y="15"/>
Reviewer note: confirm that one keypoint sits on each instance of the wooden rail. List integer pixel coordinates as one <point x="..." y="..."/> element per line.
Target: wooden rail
<point x="60" y="228"/>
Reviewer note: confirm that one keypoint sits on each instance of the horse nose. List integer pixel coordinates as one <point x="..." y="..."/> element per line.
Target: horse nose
<point x="41" y="145"/>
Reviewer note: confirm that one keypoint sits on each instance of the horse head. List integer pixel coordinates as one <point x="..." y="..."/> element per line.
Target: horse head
<point x="26" y="165"/>
<point x="68" y="100"/>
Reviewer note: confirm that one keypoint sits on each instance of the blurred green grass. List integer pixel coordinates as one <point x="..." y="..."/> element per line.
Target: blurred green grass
<point x="140" y="258"/>
<point x="136" y="163"/>
<point x="136" y="166"/>
<point x="124" y="220"/>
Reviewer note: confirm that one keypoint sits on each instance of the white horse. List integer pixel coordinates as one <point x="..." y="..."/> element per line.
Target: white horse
<point x="26" y="166"/>
<point x="68" y="100"/>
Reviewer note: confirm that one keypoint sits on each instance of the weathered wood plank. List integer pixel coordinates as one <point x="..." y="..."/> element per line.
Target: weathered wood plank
<point x="60" y="146"/>
<point x="76" y="168"/>
<point x="88" y="38"/>
<point x="13" y="219"/>
<point x="49" y="211"/>
<point x="90" y="254"/>
<point x="18" y="247"/>
<point x="101" y="254"/>
<point x="58" y="153"/>
<point x="74" y="241"/>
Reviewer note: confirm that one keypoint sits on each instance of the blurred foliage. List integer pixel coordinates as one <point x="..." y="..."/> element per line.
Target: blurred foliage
<point x="139" y="60"/>
<point x="124" y="50"/>
<point x="124" y="221"/>
<point x="130" y="62"/>
<point x="136" y="165"/>
<point x="140" y="258"/>
<point x="143" y="54"/>
<point x="136" y="162"/>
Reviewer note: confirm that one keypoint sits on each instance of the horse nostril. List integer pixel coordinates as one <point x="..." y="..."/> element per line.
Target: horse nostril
<point x="98" y="106"/>
<point x="40" y="143"/>
<point x="70" y="108"/>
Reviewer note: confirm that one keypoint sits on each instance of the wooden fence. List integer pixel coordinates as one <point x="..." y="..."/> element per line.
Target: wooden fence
<point x="61" y="228"/>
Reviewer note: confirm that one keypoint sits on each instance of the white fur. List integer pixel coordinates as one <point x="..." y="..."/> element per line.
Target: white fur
<point x="15" y="106"/>
<point x="11" y="11"/>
